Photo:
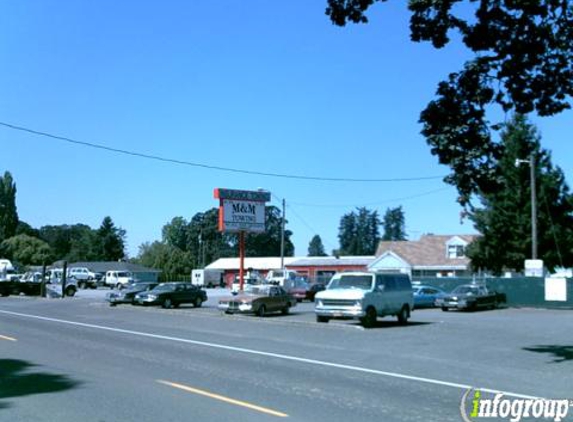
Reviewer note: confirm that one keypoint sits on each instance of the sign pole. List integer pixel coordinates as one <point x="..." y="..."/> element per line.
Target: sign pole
<point x="241" y="211"/>
<point x="241" y="259"/>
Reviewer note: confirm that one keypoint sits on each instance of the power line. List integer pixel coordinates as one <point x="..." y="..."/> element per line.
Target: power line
<point x="372" y="203"/>
<point x="211" y="167"/>
<point x="302" y="220"/>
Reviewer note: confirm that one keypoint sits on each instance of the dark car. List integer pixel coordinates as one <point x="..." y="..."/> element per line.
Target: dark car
<point x="300" y="289"/>
<point x="471" y="297"/>
<point x="314" y="289"/>
<point x="426" y="296"/>
<point x="6" y="288"/>
<point x="171" y="295"/>
<point x="259" y="300"/>
<point x="128" y="295"/>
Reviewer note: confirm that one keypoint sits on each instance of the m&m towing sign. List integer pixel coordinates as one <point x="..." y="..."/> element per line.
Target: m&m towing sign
<point x="241" y="210"/>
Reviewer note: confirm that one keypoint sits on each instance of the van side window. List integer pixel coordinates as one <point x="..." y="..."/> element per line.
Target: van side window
<point x="379" y="280"/>
<point x="391" y="283"/>
<point x="403" y="282"/>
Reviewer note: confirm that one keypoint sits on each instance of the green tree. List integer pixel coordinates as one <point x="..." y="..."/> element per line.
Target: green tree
<point x="359" y="232"/>
<point x="78" y="242"/>
<point x="8" y="211"/>
<point x="269" y="242"/>
<point x="168" y="258"/>
<point x="25" y="228"/>
<point x="111" y="241"/>
<point x="394" y="224"/>
<point x="523" y="62"/>
<point x="504" y="217"/>
<point x="176" y="232"/>
<point x="206" y="242"/>
<point x="315" y="247"/>
<point x="26" y="250"/>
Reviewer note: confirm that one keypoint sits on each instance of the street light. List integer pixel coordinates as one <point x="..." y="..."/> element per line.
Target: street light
<point x="531" y="163"/>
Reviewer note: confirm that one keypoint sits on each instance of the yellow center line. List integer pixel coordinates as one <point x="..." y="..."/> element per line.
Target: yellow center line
<point x="224" y="399"/>
<point x="7" y="338"/>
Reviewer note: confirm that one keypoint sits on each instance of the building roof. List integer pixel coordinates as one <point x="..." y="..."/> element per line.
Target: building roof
<point x="265" y="263"/>
<point x="429" y="251"/>
<point x="103" y="266"/>
<point x="327" y="261"/>
<point x="274" y="263"/>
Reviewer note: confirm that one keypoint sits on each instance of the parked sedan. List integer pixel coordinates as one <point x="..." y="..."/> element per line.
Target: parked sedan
<point x="171" y="295"/>
<point x="259" y="300"/>
<point x="471" y="297"/>
<point x="314" y="289"/>
<point x="426" y="296"/>
<point x="128" y="295"/>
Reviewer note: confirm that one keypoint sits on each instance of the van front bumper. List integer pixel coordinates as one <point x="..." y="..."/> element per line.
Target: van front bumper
<point x="354" y="312"/>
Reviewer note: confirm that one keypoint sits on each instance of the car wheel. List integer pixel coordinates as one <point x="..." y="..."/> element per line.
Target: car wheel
<point x="70" y="291"/>
<point x="320" y="318"/>
<point x="198" y="302"/>
<point x="403" y="315"/>
<point x="286" y="310"/>
<point x="261" y="312"/>
<point x="119" y="286"/>
<point x="166" y="303"/>
<point x="445" y="309"/>
<point x="369" y="319"/>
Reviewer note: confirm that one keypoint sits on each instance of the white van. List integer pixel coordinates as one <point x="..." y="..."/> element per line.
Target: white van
<point x="118" y="279"/>
<point x="366" y="296"/>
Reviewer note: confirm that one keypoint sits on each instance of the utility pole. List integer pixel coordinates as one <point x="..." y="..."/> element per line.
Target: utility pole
<point x="283" y="237"/>
<point x="533" y="189"/>
<point x="533" y="208"/>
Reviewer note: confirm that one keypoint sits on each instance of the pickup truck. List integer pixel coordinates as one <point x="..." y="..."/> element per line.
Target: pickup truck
<point x="471" y="297"/>
<point x="85" y="277"/>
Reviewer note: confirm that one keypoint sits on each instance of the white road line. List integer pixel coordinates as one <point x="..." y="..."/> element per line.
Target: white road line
<point x="464" y="387"/>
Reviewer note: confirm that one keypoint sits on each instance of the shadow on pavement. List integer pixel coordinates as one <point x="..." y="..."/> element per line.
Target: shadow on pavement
<point x="561" y="353"/>
<point x="394" y="324"/>
<point x="17" y="381"/>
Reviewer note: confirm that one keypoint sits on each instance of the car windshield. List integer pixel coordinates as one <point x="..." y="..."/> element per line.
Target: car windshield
<point x="138" y="286"/>
<point x="166" y="287"/>
<point x="354" y="281"/>
<point x="257" y="290"/>
<point x="464" y="290"/>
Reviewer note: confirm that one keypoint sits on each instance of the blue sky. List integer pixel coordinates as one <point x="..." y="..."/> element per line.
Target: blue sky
<point x="257" y="85"/>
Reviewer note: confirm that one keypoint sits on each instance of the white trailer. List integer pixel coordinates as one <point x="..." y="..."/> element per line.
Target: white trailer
<point x="206" y="278"/>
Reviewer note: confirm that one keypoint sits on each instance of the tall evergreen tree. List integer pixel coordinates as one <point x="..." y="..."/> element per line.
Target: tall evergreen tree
<point x="315" y="247"/>
<point x="359" y="232"/>
<point x="504" y="218"/>
<point x="394" y="224"/>
<point x="8" y="211"/>
<point x="111" y="240"/>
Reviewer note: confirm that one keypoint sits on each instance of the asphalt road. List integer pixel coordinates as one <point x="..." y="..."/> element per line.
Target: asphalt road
<point x="78" y="359"/>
